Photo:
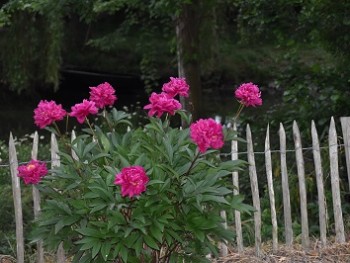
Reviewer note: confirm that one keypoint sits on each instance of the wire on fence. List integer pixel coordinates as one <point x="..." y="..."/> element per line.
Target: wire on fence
<point x="222" y="154"/>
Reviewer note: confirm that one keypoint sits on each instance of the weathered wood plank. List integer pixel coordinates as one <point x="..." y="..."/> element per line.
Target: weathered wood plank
<point x="302" y="186"/>
<point x="268" y="165"/>
<point x="255" y="192"/>
<point x="55" y="162"/>
<point x="320" y="186"/>
<point x="285" y="188"/>
<point x="345" y="125"/>
<point x="223" y="245"/>
<point x="55" y="158"/>
<point x="333" y="158"/>
<point x="36" y="200"/>
<point x="17" y="199"/>
<point x="73" y="137"/>
<point x="235" y="181"/>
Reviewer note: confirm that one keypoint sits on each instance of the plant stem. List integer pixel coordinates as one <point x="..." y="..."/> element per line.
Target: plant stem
<point x="241" y="106"/>
<point x="67" y="118"/>
<point x="192" y="163"/>
<point x="94" y="137"/>
<point x="57" y="129"/>
<point x="104" y="114"/>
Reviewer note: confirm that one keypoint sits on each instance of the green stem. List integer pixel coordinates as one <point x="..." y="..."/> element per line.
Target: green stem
<point x="241" y="106"/>
<point x="104" y="114"/>
<point x="192" y="164"/>
<point x="67" y="119"/>
<point x="93" y="133"/>
<point x="57" y="129"/>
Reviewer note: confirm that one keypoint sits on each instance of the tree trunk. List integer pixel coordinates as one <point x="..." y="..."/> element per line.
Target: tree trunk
<point x="187" y="31"/>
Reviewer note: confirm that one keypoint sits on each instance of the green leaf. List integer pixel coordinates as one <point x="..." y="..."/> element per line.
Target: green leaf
<point x="156" y="232"/>
<point x="86" y="258"/>
<point x="88" y="148"/>
<point x="129" y="242"/>
<point x="185" y="117"/>
<point x="138" y="246"/>
<point x="124" y="253"/>
<point x="89" y="232"/>
<point x="67" y="157"/>
<point x="59" y="225"/>
<point x="102" y="192"/>
<point x="199" y="234"/>
<point x="151" y="182"/>
<point x="96" y="249"/>
<point x="60" y="206"/>
<point x="214" y="198"/>
<point x="89" y="245"/>
<point x="98" y="156"/>
<point x="98" y="208"/>
<point x="169" y="150"/>
<point x="85" y="240"/>
<point x="105" y="249"/>
<point x="150" y="242"/>
<point x="105" y="142"/>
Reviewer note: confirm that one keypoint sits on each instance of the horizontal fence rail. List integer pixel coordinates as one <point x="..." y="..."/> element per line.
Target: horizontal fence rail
<point x="299" y="151"/>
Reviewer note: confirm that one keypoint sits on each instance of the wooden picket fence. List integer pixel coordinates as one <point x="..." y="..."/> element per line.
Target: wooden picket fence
<point x="288" y="231"/>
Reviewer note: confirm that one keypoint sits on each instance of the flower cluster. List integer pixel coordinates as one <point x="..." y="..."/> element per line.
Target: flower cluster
<point x="165" y="102"/>
<point x="207" y="133"/>
<point x="133" y="180"/>
<point x="48" y="112"/>
<point x="176" y="86"/>
<point x="32" y="172"/>
<point x="103" y="95"/>
<point x="82" y="110"/>
<point x="160" y="103"/>
<point x="249" y="94"/>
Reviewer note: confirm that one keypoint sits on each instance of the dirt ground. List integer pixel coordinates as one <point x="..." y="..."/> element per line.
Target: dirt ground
<point x="336" y="253"/>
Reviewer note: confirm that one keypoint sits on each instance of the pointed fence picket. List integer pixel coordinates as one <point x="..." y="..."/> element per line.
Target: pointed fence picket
<point x="333" y="157"/>
<point x="268" y="166"/>
<point x="298" y="151"/>
<point x="255" y="192"/>
<point x="36" y="199"/>
<point x="17" y="199"/>
<point x="235" y="180"/>
<point x="288" y="230"/>
<point x="302" y="187"/>
<point x="320" y="186"/>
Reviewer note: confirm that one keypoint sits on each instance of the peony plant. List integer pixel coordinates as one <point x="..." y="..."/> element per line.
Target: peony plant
<point x="124" y="193"/>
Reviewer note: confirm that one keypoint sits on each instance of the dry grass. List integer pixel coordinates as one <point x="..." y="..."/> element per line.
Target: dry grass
<point x="336" y="253"/>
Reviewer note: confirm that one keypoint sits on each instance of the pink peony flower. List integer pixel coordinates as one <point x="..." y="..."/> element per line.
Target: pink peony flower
<point x="249" y="95"/>
<point x="82" y="110"/>
<point x="176" y="86"/>
<point x="133" y="180"/>
<point x="47" y="112"/>
<point x="103" y="95"/>
<point x="207" y="133"/>
<point x="32" y="172"/>
<point x="161" y="103"/>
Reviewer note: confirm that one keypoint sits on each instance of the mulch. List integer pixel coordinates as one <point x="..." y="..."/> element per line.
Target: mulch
<point x="335" y="253"/>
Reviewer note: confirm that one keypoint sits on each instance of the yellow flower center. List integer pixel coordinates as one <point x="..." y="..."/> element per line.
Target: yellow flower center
<point x="30" y="167"/>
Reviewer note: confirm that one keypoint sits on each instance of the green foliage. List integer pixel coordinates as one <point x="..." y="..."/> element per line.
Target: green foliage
<point x="177" y="217"/>
<point x="30" y="45"/>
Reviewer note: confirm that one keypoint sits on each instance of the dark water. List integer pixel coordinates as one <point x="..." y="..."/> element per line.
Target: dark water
<point x="16" y="112"/>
